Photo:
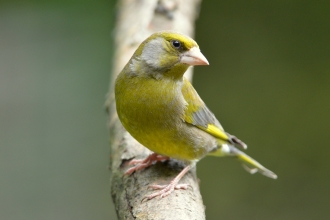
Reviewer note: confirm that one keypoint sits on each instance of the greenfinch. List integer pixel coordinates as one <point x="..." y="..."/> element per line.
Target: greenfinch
<point x="160" y="108"/>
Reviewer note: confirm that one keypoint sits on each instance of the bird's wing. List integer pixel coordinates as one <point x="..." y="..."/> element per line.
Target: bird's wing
<point x="199" y="115"/>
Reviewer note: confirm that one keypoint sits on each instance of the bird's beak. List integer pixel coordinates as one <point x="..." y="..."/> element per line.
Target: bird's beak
<point x="193" y="57"/>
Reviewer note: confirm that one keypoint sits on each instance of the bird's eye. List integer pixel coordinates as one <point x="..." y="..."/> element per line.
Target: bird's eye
<point x="176" y="44"/>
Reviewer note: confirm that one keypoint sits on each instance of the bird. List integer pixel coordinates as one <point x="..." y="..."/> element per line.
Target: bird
<point x="160" y="108"/>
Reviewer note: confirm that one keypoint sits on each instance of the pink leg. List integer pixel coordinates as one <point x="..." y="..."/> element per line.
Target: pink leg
<point x="168" y="189"/>
<point x="141" y="164"/>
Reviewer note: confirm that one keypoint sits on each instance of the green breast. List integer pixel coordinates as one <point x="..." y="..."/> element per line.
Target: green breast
<point x="152" y="111"/>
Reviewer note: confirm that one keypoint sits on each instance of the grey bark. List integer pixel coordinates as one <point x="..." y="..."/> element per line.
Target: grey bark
<point x="136" y="20"/>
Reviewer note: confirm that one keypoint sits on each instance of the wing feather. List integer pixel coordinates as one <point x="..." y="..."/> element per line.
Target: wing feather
<point x="199" y="115"/>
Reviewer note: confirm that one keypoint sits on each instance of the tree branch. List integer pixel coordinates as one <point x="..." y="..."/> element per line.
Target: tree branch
<point x="136" y="20"/>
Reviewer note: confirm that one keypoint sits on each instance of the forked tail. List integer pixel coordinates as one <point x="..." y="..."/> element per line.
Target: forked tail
<point x="250" y="165"/>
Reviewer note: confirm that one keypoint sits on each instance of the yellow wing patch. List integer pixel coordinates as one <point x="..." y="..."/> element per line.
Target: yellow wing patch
<point x="215" y="131"/>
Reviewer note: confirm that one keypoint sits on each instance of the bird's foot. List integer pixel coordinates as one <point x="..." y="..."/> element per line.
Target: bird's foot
<point x="166" y="189"/>
<point x="144" y="163"/>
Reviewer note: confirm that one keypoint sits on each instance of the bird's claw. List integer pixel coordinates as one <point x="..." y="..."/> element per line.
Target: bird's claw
<point x="144" y="163"/>
<point x="165" y="190"/>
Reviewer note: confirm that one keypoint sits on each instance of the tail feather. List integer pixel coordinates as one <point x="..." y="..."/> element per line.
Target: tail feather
<point x="251" y="165"/>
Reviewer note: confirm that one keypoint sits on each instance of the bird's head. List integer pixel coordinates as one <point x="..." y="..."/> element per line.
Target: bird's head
<point x="166" y="53"/>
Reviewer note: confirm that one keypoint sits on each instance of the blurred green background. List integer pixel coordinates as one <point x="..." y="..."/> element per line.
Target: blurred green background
<point x="268" y="83"/>
<point x="55" y="61"/>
